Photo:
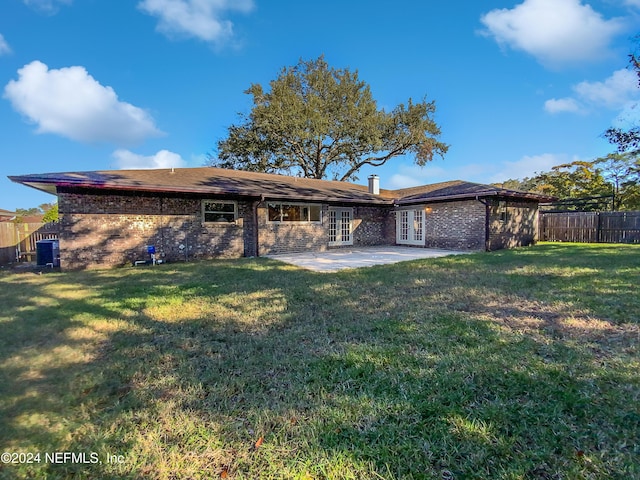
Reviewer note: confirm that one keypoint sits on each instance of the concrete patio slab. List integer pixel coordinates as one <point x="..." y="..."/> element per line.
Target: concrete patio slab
<point x="338" y="259"/>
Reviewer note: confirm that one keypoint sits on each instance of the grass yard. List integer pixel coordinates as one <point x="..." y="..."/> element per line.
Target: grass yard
<point x="521" y="364"/>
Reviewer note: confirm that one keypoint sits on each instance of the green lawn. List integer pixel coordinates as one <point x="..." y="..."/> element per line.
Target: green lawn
<point x="520" y="364"/>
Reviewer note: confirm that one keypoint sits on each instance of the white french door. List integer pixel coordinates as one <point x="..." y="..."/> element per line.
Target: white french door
<point x="410" y="227"/>
<point x="340" y="226"/>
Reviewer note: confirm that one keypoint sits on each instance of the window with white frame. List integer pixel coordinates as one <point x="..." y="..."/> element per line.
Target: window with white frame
<point x="294" y="212"/>
<point x="219" y="211"/>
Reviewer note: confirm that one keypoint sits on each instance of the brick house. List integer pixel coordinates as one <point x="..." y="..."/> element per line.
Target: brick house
<point x="110" y="217"/>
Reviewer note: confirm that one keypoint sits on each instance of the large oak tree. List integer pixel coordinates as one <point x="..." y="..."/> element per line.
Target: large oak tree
<point x="320" y="122"/>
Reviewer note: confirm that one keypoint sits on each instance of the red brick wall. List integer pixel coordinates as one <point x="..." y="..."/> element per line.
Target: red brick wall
<point x="99" y="230"/>
<point x="456" y="225"/>
<point x="373" y="226"/>
<point x="512" y="223"/>
<point x="288" y="237"/>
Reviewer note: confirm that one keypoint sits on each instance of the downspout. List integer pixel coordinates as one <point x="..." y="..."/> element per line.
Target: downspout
<point x="162" y="227"/>
<point x="256" y="230"/>
<point x="487" y="216"/>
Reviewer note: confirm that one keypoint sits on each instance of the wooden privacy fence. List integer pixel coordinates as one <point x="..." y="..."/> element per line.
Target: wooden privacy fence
<point x="590" y="227"/>
<point x="18" y="240"/>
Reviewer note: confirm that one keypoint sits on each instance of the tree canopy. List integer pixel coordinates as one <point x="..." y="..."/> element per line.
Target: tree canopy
<point x="320" y="122"/>
<point x="622" y="172"/>
<point x="616" y="175"/>
<point x="49" y="212"/>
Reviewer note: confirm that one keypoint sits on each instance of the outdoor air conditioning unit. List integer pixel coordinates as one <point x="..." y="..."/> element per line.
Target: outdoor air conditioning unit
<point x="48" y="253"/>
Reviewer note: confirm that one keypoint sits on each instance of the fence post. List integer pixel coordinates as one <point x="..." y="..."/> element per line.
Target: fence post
<point x="598" y="228"/>
<point x="542" y="227"/>
<point x="18" y="240"/>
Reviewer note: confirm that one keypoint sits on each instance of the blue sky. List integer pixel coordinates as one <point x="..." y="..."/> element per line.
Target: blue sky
<point x="519" y="85"/>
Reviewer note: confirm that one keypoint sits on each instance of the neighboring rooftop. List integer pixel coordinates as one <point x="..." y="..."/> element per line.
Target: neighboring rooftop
<point x="238" y="183"/>
<point x="6" y="215"/>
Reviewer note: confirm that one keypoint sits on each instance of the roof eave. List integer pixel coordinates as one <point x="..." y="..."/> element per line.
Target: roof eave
<point x="471" y="196"/>
<point x="47" y="187"/>
<point x="51" y="187"/>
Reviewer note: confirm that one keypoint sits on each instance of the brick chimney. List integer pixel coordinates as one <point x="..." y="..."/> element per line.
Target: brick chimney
<point x="374" y="184"/>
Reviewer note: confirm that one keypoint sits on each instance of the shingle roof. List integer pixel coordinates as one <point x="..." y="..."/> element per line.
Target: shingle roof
<point x="6" y="213"/>
<point x="207" y="181"/>
<point x="458" y="189"/>
<point x="218" y="181"/>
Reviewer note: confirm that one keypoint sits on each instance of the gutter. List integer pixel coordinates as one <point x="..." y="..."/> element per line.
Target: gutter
<point x="256" y="229"/>
<point x="490" y="193"/>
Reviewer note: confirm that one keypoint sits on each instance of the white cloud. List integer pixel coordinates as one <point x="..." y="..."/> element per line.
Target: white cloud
<point x="618" y="92"/>
<point x="529" y="165"/>
<point x="567" y="104"/>
<point x="49" y="7"/>
<point x="71" y="103"/>
<point x="615" y="92"/>
<point x="4" y="46"/>
<point x="412" y="176"/>
<point x="633" y="3"/>
<point x="556" y="32"/>
<point x="202" y="19"/>
<point x="126" y="159"/>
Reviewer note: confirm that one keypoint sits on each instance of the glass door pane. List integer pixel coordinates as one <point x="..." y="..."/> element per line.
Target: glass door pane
<point x="333" y="227"/>
<point x="418" y="222"/>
